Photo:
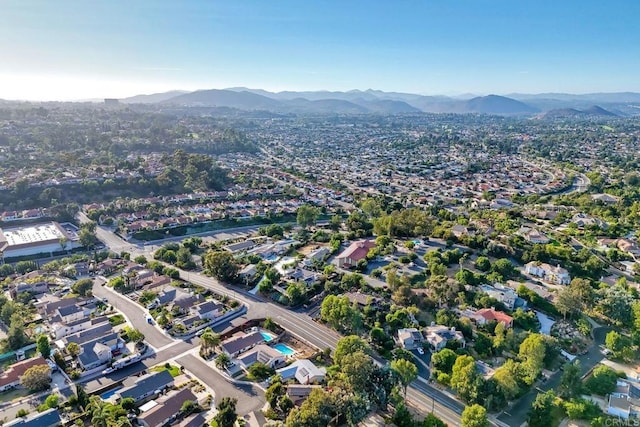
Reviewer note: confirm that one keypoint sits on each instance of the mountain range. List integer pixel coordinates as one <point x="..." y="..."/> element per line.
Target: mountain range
<point x="547" y="105"/>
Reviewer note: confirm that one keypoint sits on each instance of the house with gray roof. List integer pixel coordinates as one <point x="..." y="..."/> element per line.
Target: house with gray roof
<point x="241" y="343"/>
<point x="146" y="387"/>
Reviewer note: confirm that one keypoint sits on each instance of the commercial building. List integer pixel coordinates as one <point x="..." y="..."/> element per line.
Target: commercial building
<point x="36" y="239"/>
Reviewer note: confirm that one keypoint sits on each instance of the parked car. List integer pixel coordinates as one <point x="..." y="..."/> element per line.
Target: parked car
<point x="420" y="350"/>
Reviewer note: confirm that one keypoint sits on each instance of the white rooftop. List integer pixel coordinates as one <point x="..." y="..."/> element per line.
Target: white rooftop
<point x="32" y="234"/>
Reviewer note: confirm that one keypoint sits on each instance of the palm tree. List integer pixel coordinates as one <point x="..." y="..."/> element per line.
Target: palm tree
<point x="209" y="340"/>
<point x="222" y="361"/>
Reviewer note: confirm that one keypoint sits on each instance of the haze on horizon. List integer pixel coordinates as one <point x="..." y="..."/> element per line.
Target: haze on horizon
<point x="70" y="50"/>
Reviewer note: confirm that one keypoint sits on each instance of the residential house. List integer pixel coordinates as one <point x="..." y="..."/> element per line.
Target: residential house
<point x="240" y="343"/>
<point x="486" y="315"/>
<point x="34" y="288"/>
<point x="167" y="409"/>
<point x="207" y="310"/>
<point x="410" y="338"/>
<point x="557" y="275"/>
<point x="11" y="377"/>
<point x="95" y="330"/>
<point x="304" y="371"/>
<point x="460" y="231"/>
<point x="533" y="236"/>
<point x="48" y="418"/>
<point x="146" y="386"/>
<point x="355" y="252"/>
<point x="505" y="295"/>
<point x="239" y="247"/>
<point x="261" y="353"/>
<point x="95" y="353"/>
<point x="624" y="401"/>
<point x="248" y="273"/>
<point x="362" y="300"/>
<point x="298" y="393"/>
<point x="301" y="275"/>
<point x="317" y="256"/>
<point x="61" y="330"/>
<point x="438" y="336"/>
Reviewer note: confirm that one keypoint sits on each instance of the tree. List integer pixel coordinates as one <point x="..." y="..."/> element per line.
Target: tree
<point x="87" y="238"/>
<point x="140" y="259"/>
<point x="444" y="360"/>
<point x="316" y="411"/>
<point x="43" y="346"/>
<point x="307" y="215"/>
<point x="432" y="421"/>
<point x="209" y="340"/>
<point x="348" y="345"/>
<point x="465" y="379"/>
<point x="73" y="349"/>
<point x="51" y="401"/>
<point x="128" y="403"/>
<point x="222" y="361"/>
<point x="226" y="415"/>
<point x="406" y="372"/>
<point x="483" y="263"/>
<point x="134" y="334"/>
<point x="602" y="381"/>
<point x="506" y="377"/>
<point x="83" y="287"/>
<point x="571" y="381"/>
<point x="620" y="345"/>
<point x="260" y="372"/>
<point x="340" y="314"/>
<point x="188" y="406"/>
<point x="541" y="411"/>
<point x="36" y="378"/>
<point x="16" y="338"/>
<point x="532" y="352"/>
<point x="221" y="265"/>
<point x="474" y="416"/>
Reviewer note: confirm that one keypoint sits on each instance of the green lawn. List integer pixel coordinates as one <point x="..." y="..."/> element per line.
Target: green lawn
<point x="173" y="370"/>
<point x="117" y="319"/>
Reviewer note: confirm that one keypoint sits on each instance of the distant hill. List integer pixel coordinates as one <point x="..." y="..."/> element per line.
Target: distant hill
<point x="495" y="104"/>
<point x="378" y="102"/>
<point x="224" y="98"/>
<point x="152" y="98"/>
<point x="567" y="113"/>
<point x="596" y="110"/>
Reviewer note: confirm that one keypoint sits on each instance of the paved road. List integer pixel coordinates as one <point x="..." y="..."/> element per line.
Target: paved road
<point x="250" y="398"/>
<point x="133" y="312"/>
<point x="517" y="414"/>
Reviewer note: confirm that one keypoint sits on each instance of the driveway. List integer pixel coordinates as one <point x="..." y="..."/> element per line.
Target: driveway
<point x="250" y="398"/>
<point x="545" y="323"/>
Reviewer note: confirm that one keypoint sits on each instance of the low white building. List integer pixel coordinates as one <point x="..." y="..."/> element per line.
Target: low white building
<point x="36" y="239"/>
<point x="304" y="371"/>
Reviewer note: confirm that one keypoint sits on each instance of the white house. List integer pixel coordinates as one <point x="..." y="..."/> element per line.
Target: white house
<point x="304" y="371"/>
<point x="557" y="275"/>
<point x="505" y="295"/>
<point x="410" y="338"/>
<point x="438" y="336"/>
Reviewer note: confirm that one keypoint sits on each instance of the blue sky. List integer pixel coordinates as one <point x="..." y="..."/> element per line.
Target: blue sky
<point x="81" y="49"/>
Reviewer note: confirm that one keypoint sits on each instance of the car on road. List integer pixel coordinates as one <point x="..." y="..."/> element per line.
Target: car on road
<point x="108" y="371"/>
<point x="149" y="319"/>
<point x="420" y="350"/>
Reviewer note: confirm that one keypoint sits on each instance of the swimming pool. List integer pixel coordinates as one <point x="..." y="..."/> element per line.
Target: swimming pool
<point x="267" y="337"/>
<point x="285" y="349"/>
<point x="110" y="393"/>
